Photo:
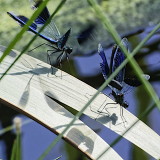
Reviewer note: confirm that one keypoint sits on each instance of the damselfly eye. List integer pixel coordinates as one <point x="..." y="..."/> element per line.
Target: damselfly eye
<point x="125" y="105"/>
<point x="69" y="50"/>
<point x="120" y="94"/>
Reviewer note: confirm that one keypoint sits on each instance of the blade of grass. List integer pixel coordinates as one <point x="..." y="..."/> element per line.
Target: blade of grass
<point x="13" y="154"/>
<point x="19" y="147"/>
<point x="16" y="150"/>
<point x="131" y="60"/>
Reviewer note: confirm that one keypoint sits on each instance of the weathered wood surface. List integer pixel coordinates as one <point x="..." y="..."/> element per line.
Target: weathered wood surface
<point x="30" y="82"/>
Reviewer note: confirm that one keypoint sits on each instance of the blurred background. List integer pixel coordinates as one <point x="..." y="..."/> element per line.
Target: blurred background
<point x="132" y="19"/>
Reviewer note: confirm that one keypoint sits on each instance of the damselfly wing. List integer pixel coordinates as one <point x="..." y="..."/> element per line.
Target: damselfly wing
<point x="106" y="71"/>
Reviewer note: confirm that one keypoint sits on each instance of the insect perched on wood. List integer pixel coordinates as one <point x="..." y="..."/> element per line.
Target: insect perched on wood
<point x="120" y="84"/>
<point x="50" y="33"/>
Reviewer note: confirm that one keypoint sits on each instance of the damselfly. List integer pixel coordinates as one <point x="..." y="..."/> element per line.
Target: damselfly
<point x="50" y="33"/>
<point x="121" y="83"/>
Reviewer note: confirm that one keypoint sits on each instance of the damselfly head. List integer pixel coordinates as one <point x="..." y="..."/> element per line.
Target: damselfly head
<point x="118" y="95"/>
<point x="119" y="98"/>
<point x="68" y="50"/>
<point x="36" y="3"/>
<point x="125" y="105"/>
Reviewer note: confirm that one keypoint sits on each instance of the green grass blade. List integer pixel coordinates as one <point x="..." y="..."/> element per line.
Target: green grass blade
<point x="16" y="150"/>
<point x="18" y="147"/>
<point x="13" y="154"/>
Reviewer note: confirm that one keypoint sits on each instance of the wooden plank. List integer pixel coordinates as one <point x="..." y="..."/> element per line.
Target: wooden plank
<point x="23" y="90"/>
